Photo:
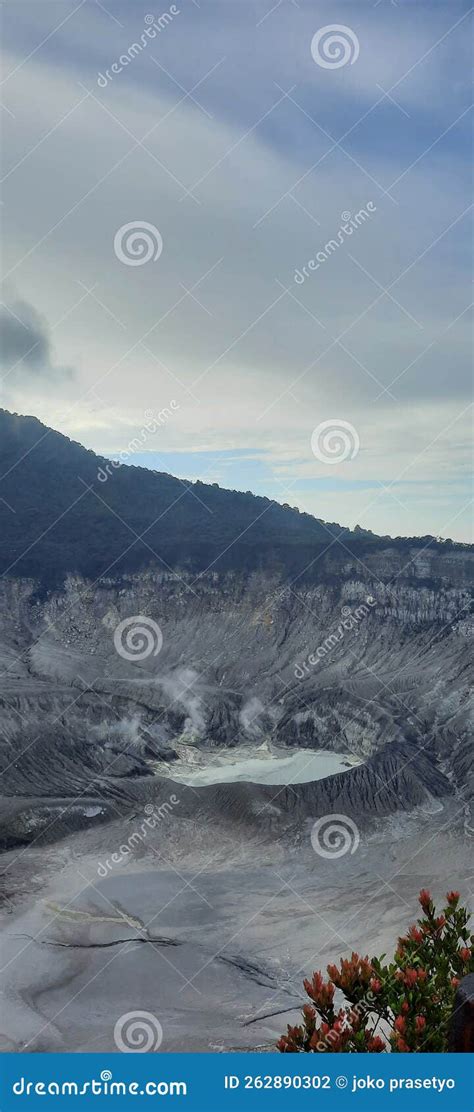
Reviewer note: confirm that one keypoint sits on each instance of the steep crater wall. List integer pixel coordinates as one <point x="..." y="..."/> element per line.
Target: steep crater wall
<point x="373" y="659"/>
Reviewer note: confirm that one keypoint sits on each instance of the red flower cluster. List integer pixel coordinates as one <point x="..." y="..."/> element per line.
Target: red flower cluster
<point x="414" y="934"/>
<point x="354" y="972"/>
<point x="320" y="991"/>
<point x="375" y="1044"/>
<point x="413" y="996"/>
<point x="409" y="977"/>
<point x="425" y="899"/>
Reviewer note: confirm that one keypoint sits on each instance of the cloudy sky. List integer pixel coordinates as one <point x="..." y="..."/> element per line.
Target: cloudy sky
<point x="238" y="141"/>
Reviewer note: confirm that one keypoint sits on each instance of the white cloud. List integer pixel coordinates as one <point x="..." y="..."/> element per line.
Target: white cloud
<point x="244" y="363"/>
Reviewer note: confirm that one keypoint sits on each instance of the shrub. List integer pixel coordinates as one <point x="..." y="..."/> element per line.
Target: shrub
<point x="405" y="1005"/>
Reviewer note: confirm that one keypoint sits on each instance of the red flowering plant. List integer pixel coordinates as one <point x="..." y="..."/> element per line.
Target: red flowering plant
<point x="405" y="1005"/>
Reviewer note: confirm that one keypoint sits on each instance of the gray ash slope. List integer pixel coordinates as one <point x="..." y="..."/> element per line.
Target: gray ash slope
<point x="86" y="734"/>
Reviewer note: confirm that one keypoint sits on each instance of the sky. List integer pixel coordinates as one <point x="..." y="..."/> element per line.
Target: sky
<point x="187" y="284"/>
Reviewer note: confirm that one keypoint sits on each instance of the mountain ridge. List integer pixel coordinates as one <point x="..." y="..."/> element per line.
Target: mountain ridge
<point x="59" y="516"/>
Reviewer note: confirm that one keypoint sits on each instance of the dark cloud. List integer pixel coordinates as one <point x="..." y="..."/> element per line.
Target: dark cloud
<point x="25" y="345"/>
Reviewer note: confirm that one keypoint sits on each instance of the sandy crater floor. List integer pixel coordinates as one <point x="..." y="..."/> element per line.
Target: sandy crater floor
<point x="212" y="935"/>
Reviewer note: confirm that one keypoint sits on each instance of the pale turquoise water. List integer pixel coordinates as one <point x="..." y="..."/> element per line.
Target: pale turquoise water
<point x="298" y="768"/>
